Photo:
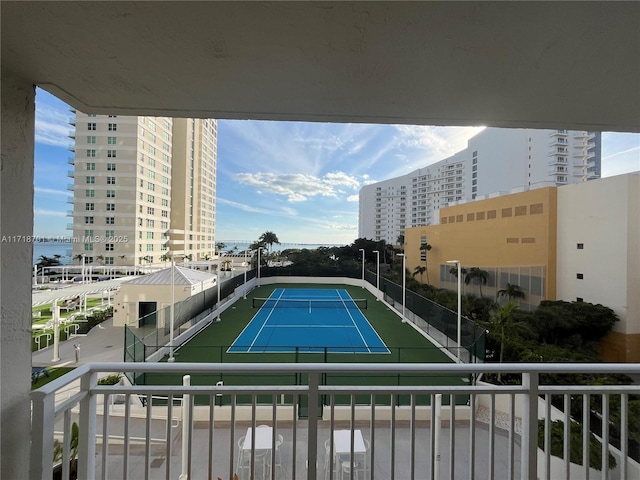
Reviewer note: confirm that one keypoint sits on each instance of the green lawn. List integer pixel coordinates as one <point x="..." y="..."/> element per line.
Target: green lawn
<point x="54" y="372"/>
<point x="406" y="345"/>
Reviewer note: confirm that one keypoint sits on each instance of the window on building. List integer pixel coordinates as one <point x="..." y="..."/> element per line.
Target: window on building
<point x="88" y="220"/>
<point x="110" y="220"/>
<point x="91" y="126"/>
<point x="88" y="233"/>
<point x="88" y="247"/>
<point x="111" y="167"/>
<point x="111" y="180"/>
<point x="580" y="276"/>
<point x="150" y="211"/>
<point x="111" y="194"/>
<point x="109" y="233"/>
<point x="112" y="140"/>
<point x="90" y="193"/>
<point x="111" y="207"/>
<point x="580" y="246"/>
<point x="113" y="127"/>
<point x="91" y="179"/>
<point x="111" y="154"/>
<point x="149" y="235"/>
<point x="91" y="139"/>
<point x="108" y="247"/>
<point x="151" y="199"/>
<point x="89" y="206"/>
<point x="108" y="260"/>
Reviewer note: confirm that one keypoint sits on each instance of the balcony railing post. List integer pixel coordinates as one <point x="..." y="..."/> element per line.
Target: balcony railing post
<point x="87" y="428"/>
<point x="42" y="435"/>
<point x="529" y="445"/>
<point x="312" y="447"/>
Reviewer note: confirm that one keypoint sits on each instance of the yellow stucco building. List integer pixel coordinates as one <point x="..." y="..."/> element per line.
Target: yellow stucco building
<point x="511" y="237"/>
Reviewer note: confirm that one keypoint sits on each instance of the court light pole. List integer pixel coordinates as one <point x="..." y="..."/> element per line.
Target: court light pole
<point x="218" y="282"/>
<point x="377" y="274"/>
<point x="259" y="250"/>
<point x="457" y="262"/>
<point x="404" y="286"/>
<point x="362" y="250"/>
<point x="172" y="310"/>
<point x="244" y="295"/>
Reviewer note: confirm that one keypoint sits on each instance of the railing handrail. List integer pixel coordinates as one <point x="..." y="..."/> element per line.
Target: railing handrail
<point x="46" y="410"/>
<point x="449" y="368"/>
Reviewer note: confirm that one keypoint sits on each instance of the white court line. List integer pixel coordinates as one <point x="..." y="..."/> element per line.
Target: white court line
<point x="264" y="323"/>
<point x="364" y="342"/>
<point x="310" y="326"/>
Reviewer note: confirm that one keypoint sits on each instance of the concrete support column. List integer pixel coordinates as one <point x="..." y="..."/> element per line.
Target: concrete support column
<point x="16" y="253"/>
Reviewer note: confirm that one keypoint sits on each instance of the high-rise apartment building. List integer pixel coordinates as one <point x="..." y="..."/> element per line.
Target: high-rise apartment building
<point x="496" y="161"/>
<point x="143" y="187"/>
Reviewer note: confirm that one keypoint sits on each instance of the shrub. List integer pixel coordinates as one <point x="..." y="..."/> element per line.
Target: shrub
<point x="557" y="439"/>
<point x="110" y="380"/>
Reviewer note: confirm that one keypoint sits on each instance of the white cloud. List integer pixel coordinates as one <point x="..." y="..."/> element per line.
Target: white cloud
<point x="441" y="141"/>
<point x="49" y="213"/>
<point x="51" y="191"/>
<point x="52" y="125"/>
<point x="299" y="187"/>
<point x="353" y="198"/>
<point x="243" y="207"/>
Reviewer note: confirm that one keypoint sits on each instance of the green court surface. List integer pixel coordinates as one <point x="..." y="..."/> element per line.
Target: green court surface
<point x="406" y="345"/>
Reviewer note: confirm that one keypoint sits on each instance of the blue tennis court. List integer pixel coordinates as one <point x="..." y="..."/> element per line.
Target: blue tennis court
<point x="309" y="320"/>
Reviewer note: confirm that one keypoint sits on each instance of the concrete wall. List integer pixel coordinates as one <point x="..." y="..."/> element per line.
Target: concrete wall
<point x="603" y="216"/>
<point x="16" y="254"/>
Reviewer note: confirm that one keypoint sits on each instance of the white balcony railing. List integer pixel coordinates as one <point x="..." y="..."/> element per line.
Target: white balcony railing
<point x="325" y="423"/>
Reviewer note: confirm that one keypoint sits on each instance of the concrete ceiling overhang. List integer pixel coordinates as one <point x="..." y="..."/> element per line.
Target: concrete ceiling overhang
<point x="509" y="64"/>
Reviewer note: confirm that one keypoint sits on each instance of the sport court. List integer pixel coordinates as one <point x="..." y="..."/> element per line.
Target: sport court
<point x="309" y="320"/>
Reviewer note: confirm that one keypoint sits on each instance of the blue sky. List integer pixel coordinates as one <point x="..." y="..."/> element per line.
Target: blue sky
<point x="299" y="180"/>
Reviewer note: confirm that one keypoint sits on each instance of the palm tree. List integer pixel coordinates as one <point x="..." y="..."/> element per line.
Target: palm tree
<point x="477" y="274"/>
<point x="45" y="261"/>
<point x="165" y="257"/>
<point x="400" y="241"/>
<point x="502" y="324"/>
<point x="269" y="238"/>
<point x="425" y="247"/>
<point x="100" y="259"/>
<point x="419" y="270"/>
<point x="511" y="291"/>
<point x="220" y="246"/>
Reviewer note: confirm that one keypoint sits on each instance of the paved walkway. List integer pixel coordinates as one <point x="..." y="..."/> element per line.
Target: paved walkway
<point x="103" y="343"/>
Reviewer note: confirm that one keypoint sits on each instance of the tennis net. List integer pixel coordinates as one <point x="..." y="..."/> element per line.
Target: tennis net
<point x="351" y="303"/>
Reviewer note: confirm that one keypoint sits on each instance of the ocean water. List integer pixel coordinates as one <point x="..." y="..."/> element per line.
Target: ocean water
<point x="49" y="249"/>
<point x="240" y="246"/>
